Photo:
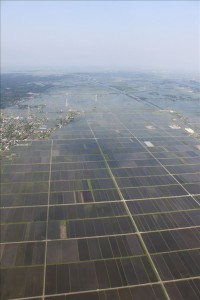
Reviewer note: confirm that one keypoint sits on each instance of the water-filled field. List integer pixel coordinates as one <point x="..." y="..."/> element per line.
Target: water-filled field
<point x="109" y="206"/>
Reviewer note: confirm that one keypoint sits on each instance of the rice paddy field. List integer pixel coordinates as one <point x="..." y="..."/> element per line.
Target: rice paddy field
<point x="109" y="206"/>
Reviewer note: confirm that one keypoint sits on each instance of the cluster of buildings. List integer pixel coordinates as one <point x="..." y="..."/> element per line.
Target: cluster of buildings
<point x="15" y="129"/>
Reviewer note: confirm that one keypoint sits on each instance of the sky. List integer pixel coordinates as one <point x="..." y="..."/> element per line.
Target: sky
<point x="104" y="35"/>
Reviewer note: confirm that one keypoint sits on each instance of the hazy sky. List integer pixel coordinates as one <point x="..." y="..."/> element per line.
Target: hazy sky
<point x="113" y="34"/>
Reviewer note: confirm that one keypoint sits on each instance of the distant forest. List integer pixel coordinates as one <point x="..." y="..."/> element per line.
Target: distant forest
<point x="16" y="86"/>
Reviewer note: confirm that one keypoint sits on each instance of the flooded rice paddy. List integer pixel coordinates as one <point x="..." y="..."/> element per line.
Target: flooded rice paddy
<point x="109" y="206"/>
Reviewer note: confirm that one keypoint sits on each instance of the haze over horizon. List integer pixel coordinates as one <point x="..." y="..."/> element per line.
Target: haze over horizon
<point x="86" y="35"/>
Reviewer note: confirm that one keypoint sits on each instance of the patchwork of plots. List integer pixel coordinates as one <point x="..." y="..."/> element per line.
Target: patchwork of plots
<point x="106" y="209"/>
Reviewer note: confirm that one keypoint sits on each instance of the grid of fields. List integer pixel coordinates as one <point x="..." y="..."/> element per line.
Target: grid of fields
<point x="106" y="209"/>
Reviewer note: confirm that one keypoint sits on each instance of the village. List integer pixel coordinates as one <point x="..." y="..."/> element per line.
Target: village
<point x="15" y="129"/>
